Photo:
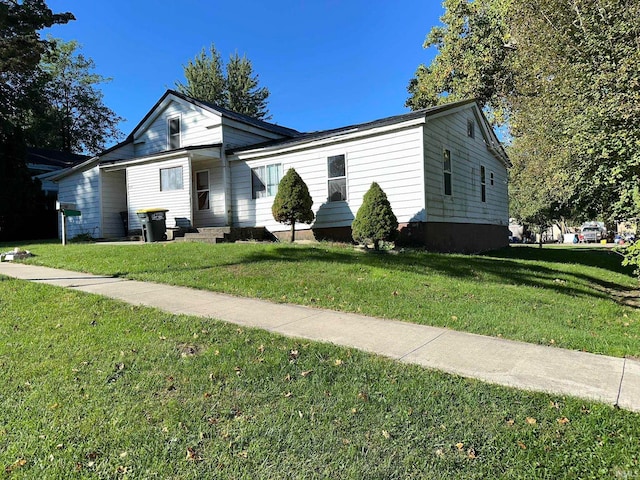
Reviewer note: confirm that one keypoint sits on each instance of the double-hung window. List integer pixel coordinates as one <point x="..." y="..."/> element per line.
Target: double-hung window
<point x="171" y="179"/>
<point x="173" y="128"/>
<point x="203" y="189"/>
<point x="483" y="183"/>
<point x="446" y="171"/>
<point x="337" y="178"/>
<point x="265" y="180"/>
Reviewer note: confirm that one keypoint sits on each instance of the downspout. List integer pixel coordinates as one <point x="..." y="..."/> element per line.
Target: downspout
<point x="191" y="199"/>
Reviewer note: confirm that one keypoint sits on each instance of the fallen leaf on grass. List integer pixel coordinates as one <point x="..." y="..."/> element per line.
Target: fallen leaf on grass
<point x="21" y="462"/>
<point x="288" y="395"/>
<point x="563" y="420"/>
<point x="531" y="420"/>
<point x="386" y="434"/>
<point x="522" y="445"/>
<point x="306" y="373"/>
<point x="192" y="455"/>
<point x="471" y="453"/>
<point x="338" y="362"/>
<point x="459" y="445"/>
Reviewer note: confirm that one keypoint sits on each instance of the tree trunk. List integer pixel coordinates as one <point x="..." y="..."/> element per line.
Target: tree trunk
<point x="376" y="245"/>
<point x="540" y="238"/>
<point x="293" y="231"/>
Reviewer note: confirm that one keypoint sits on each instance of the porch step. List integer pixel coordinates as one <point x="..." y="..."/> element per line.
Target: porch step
<point x="226" y="234"/>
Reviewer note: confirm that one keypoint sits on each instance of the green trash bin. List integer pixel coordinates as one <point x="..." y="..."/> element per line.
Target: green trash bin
<point x="154" y="224"/>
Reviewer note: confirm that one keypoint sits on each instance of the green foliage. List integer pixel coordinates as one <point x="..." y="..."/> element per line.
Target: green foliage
<point x="73" y="117"/>
<point x="473" y="58"/>
<point x="293" y="202"/>
<point x="375" y="221"/>
<point x="21" y="83"/>
<point x="21" y="48"/>
<point x="205" y="78"/>
<point x="243" y="93"/>
<point x="563" y="75"/>
<point x="237" y="91"/>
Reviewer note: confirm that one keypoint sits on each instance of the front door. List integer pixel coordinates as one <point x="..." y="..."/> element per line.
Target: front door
<point x="203" y="211"/>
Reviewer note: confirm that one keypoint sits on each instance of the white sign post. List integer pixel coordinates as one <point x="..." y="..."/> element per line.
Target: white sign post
<point x="66" y="210"/>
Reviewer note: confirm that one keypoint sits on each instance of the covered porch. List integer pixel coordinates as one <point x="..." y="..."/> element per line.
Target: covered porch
<point x="191" y="183"/>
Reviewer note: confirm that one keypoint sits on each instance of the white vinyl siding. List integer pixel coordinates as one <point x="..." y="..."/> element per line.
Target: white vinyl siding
<point x="215" y="215"/>
<point x="197" y="127"/>
<point x="114" y="201"/>
<point x="393" y="159"/>
<point x="467" y="155"/>
<point x="83" y="189"/>
<point x="143" y="185"/>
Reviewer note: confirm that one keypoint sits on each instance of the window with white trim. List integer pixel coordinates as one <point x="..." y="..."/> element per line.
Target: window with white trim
<point x="337" y="178"/>
<point x="483" y="184"/>
<point x="171" y="179"/>
<point x="446" y="171"/>
<point x="471" y="128"/>
<point x="265" y="180"/>
<point x="173" y="129"/>
<point x="203" y="189"/>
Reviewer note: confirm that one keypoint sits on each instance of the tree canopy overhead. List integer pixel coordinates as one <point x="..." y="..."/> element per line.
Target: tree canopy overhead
<point x="565" y="77"/>
<point x="72" y="117"/>
<point x="234" y="87"/>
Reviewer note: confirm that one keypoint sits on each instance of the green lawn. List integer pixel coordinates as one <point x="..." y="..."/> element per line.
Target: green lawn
<point x="93" y="388"/>
<point x="560" y="297"/>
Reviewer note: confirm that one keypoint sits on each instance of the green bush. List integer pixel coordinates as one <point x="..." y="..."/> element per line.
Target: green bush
<point x="375" y="221"/>
<point x="293" y="202"/>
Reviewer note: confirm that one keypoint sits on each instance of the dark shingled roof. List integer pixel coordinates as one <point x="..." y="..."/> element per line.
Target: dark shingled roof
<point x="54" y="158"/>
<point x="319" y="135"/>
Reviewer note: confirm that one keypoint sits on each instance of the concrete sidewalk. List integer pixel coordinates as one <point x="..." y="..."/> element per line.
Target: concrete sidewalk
<point x="530" y="367"/>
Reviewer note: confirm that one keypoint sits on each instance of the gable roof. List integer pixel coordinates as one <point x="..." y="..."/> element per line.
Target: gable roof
<point x="492" y="142"/>
<point x="223" y="112"/>
<point x="360" y="127"/>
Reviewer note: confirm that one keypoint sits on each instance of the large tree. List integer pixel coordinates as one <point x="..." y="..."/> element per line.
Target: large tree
<point x="234" y="87"/>
<point x="73" y="117"/>
<point x="563" y="74"/>
<point x="20" y="51"/>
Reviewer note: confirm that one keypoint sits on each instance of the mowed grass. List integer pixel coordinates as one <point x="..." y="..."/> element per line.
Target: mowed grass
<point x="93" y="388"/>
<point x="560" y="297"/>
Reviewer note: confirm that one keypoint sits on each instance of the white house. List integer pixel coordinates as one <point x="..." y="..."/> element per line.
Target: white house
<point x="442" y="168"/>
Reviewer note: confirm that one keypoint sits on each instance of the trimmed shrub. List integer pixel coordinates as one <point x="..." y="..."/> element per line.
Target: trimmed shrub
<point x="375" y="221"/>
<point x="293" y="202"/>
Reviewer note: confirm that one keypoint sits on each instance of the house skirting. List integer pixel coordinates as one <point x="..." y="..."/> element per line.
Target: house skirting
<point x="454" y="237"/>
<point x="435" y="236"/>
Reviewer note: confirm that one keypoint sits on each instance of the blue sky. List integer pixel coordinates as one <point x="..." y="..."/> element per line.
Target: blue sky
<point x="327" y="63"/>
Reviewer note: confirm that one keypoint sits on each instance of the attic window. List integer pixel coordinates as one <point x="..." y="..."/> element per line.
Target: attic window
<point x="174" y="133"/>
<point x="471" y="129"/>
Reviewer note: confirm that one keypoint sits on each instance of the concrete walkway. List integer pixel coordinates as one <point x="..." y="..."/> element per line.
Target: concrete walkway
<point x="531" y="367"/>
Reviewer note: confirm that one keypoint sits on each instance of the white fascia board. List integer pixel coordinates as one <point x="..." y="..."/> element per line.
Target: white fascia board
<point x="337" y="138"/>
<point x="161" y="157"/>
<point x="162" y="106"/>
<point x="230" y="122"/>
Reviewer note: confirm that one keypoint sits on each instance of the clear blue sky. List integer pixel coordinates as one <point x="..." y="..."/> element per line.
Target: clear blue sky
<point x="327" y="63"/>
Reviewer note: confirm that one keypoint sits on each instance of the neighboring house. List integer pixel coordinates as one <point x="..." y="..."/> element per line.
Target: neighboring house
<point x="44" y="164"/>
<point x="442" y="168"/>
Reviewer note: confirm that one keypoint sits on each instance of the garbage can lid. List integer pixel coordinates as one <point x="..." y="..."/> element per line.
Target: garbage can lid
<point x="152" y="210"/>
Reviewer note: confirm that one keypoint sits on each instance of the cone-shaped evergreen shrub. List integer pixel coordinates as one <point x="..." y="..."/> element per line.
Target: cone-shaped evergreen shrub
<point x="375" y="220"/>
<point x="293" y="202"/>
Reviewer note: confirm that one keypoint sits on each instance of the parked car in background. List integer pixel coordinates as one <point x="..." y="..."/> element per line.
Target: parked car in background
<point x="592" y="233"/>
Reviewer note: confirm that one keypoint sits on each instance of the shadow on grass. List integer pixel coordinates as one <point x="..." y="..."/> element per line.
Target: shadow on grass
<point x="510" y="266"/>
